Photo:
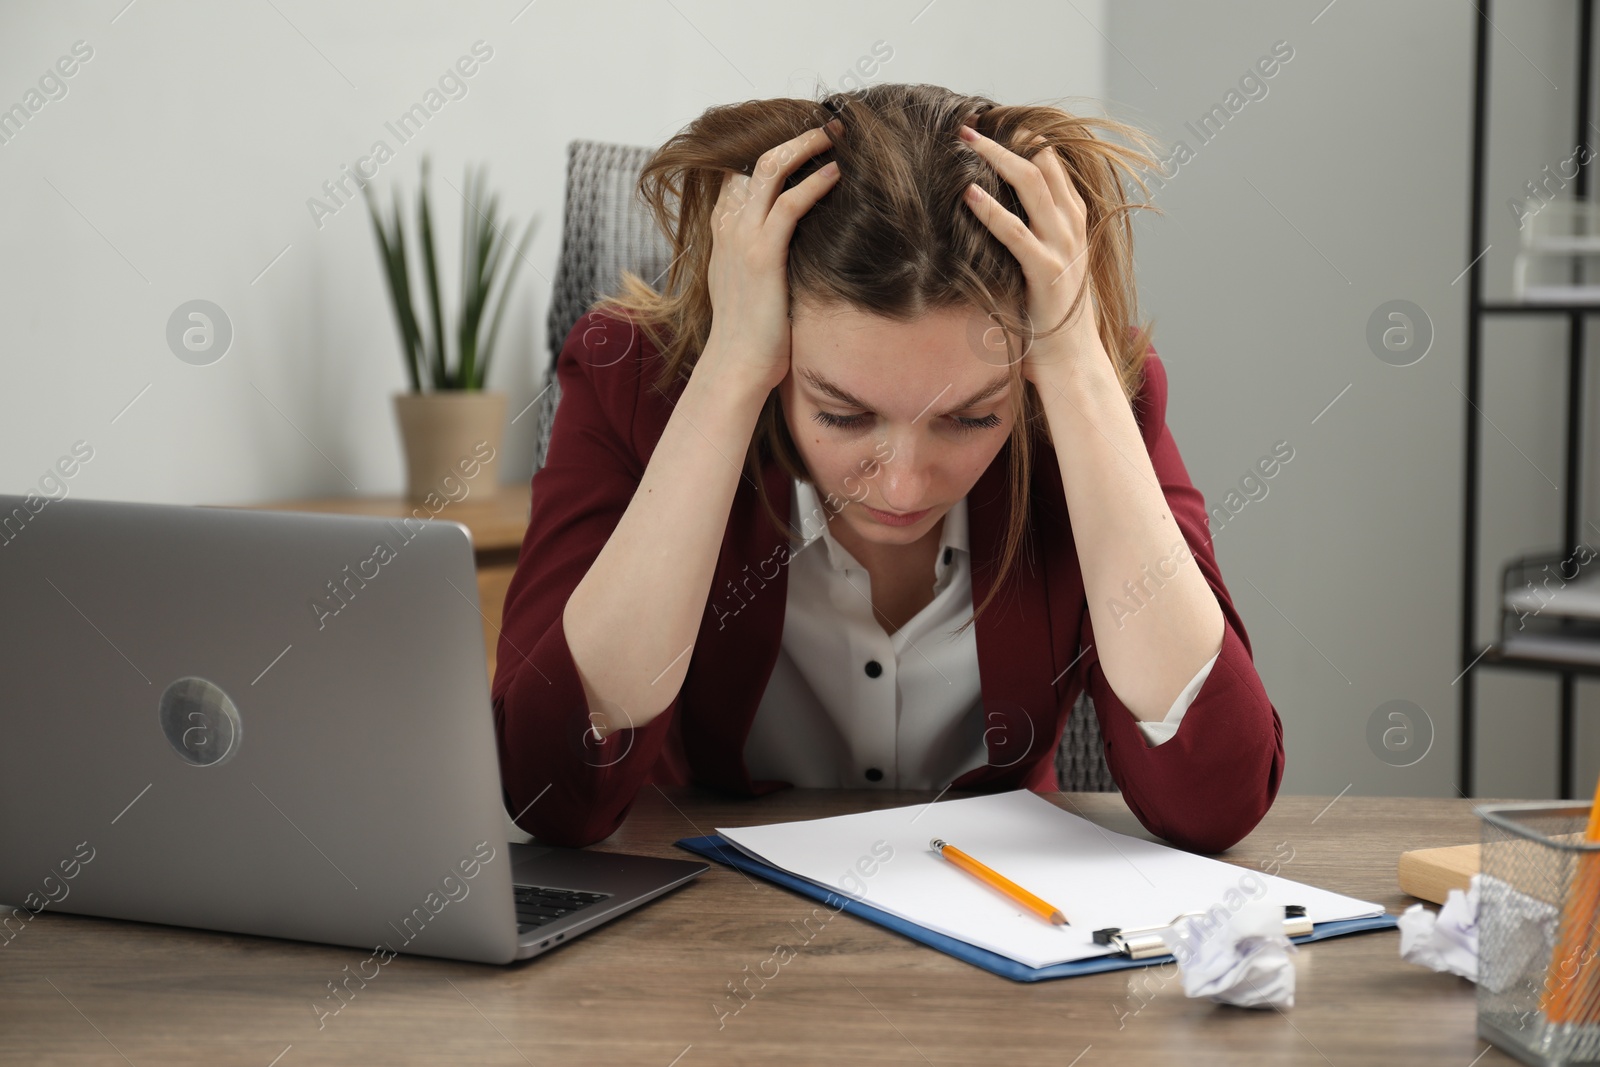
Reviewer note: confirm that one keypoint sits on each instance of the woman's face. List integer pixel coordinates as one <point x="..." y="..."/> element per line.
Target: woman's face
<point x="891" y="418"/>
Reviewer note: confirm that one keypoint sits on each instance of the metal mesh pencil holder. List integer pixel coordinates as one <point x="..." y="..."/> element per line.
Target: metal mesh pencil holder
<point x="1539" y="933"/>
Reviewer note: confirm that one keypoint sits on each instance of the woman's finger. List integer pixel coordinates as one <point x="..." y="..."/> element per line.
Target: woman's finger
<point x="1012" y="232"/>
<point x="1029" y="182"/>
<point x="1062" y="190"/>
<point x="778" y="162"/>
<point x="797" y="201"/>
<point x="733" y="198"/>
<point x="1069" y="203"/>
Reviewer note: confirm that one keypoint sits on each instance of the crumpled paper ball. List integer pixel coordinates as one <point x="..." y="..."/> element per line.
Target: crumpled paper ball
<point x="1240" y="959"/>
<point x="1446" y="942"/>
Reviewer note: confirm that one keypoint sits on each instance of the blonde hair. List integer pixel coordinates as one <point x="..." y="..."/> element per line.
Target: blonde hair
<point x="894" y="238"/>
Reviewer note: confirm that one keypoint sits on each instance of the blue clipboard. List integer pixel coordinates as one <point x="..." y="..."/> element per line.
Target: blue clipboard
<point x="716" y="847"/>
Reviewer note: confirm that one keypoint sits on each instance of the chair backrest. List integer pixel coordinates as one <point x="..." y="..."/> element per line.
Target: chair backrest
<point x="1081" y="759"/>
<point x="606" y="229"/>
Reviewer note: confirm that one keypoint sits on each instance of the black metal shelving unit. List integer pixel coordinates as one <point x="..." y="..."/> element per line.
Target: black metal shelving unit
<point x="1474" y="655"/>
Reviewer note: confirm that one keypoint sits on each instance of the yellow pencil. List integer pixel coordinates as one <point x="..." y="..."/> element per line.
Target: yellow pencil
<point x="1574" y="950"/>
<point x="1049" y="912"/>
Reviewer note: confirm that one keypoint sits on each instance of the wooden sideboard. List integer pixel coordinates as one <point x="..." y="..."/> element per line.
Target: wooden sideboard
<point x="497" y="519"/>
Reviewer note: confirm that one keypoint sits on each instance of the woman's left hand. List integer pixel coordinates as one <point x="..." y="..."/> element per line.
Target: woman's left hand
<point x="1053" y="252"/>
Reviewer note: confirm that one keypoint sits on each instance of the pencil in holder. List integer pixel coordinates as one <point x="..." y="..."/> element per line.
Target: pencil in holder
<point x="1539" y="933"/>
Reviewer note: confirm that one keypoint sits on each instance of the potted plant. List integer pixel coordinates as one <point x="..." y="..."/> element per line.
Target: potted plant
<point x="448" y="417"/>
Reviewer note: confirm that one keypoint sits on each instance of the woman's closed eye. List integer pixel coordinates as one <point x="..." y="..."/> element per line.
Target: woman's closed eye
<point x="852" y="422"/>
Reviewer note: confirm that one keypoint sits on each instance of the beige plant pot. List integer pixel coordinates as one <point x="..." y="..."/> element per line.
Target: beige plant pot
<point x="452" y="443"/>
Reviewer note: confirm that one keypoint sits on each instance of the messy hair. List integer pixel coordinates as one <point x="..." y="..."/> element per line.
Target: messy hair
<point x="894" y="238"/>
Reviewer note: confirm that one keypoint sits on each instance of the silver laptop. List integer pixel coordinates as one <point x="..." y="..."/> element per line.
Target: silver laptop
<point x="269" y="723"/>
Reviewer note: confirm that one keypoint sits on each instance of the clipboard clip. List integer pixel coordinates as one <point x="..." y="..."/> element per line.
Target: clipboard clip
<point x="1146" y="941"/>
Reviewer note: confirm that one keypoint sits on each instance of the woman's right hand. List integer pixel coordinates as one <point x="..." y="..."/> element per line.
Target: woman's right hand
<point x="748" y="278"/>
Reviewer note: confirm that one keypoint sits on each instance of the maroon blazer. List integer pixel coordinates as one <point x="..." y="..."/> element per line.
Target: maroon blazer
<point x="1203" y="789"/>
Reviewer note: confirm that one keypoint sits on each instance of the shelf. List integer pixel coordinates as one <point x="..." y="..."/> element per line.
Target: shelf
<point x="1579" y="598"/>
<point x="1563" y="295"/>
<point x="1563" y="245"/>
<point x="1544" y="653"/>
<point x="1514" y="308"/>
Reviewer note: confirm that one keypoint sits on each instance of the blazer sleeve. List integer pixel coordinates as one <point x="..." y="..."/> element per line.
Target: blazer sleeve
<point x="560" y="784"/>
<point x="1161" y="731"/>
<point x="1207" y="786"/>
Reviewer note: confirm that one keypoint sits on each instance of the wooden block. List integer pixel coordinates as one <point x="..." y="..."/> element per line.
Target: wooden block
<point x="1430" y="873"/>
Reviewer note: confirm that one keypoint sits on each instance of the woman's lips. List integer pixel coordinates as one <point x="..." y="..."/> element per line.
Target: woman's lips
<point x="888" y="518"/>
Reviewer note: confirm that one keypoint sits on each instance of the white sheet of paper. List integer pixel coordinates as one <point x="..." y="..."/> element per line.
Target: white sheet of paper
<point x="1096" y="877"/>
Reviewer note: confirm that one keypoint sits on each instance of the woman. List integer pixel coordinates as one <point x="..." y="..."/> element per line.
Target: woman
<point x="853" y="309"/>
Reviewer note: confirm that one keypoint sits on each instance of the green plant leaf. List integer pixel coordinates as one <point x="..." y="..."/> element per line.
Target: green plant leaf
<point x="399" y="296"/>
<point x="472" y="289"/>
<point x="489" y="239"/>
<point x="469" y="234"/>
<point x="406" y="351"/>
<point x="401" y="280"/>
<point x="505" y="298"/>
<point x="442" y="374"/>
<point x="484" y="252"/>
<point x="466" y="220"/>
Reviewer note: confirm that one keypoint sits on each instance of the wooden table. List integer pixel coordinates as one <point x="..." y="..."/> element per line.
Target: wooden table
<point x="497" y="517"/>
<point x="644" y="989"/>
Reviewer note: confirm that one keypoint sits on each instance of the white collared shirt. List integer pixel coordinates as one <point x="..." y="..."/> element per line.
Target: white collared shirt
<point x="850" y="706"/>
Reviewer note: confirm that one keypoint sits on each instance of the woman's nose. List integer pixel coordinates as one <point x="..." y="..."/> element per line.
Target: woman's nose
<point x="902" y="480"/>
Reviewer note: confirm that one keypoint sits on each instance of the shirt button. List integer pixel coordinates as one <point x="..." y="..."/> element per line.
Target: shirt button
<point x="947" y="554"/>
<point x="874" y="775"/>
<point x="874" y="668"/>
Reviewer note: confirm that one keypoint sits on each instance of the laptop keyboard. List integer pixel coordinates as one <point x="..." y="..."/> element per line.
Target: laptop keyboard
<point x="538" y="905"/>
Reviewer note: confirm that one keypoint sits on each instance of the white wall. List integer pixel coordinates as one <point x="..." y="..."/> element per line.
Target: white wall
<point x="180" y="161"/>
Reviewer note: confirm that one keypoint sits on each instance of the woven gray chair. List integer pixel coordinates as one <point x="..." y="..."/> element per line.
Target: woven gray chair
<point x="1081" y="758"/>
<point x="607" y="228"/>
